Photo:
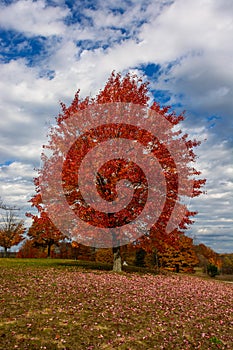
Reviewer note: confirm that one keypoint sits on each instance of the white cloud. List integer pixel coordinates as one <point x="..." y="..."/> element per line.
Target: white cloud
<point x="187" y="26"/>
<point x="190" y="40"/>
<point x="16" y="187"/>
<point x="214" y="221"/>
<point x="33" y="18"/>
<point x="196" y="36"/>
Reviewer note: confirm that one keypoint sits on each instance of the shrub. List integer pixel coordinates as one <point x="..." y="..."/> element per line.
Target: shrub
<point x="140" y="258"/>
<point x="212" y="270"/>
<point x="28" y="250"/>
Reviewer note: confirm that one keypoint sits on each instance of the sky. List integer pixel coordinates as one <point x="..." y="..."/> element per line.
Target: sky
<point x="49" y="49"/>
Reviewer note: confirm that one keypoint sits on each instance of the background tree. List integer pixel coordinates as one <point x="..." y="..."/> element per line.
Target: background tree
<point x="82" y="252"/>
<point x="2" y="205"/>
<point x="132" y="90"/>
<point x="11" y="229"/>
<point x="28" y="250"/>
<point x="104" y="255"/>
<point x="227" y="263"/>
<point x="212" y="270"/>
<point x="207" y="256"/>
<point x="64" y="251"/>
<point x="180" y="258"/>
<point x="43" y="233"/>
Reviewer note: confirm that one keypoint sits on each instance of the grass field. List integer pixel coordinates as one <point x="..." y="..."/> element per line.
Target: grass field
<point x="57" y="304"/>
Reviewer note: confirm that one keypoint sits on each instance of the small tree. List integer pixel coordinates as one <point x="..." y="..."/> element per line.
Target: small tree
<point x="28" y="250"/>
<point x="181" y="257"/>
<point x="212" y="270"/>
<point x="207" y="257"/>
<point x="11" y="229"/>
<point x="152" y="259"/>
<point x="227" y="264"/>
<point x="82" y="252"/>
<point x="43" y="233"/>
<point x="104" y="256"/>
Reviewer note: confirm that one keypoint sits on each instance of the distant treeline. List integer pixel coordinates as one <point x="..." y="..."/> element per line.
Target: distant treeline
<point x="9" y="254"/>
<point x="185" y="259"/>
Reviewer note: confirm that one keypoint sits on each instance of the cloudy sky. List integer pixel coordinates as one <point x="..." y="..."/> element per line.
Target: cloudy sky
<point x="49" y="49"/>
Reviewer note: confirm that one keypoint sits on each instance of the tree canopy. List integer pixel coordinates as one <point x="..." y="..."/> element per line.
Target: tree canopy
<point x="121" y="111"/>
<point x="12" y="229"/>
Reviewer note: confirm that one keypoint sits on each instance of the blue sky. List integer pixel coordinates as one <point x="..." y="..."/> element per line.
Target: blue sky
<point x="49" y="49"/>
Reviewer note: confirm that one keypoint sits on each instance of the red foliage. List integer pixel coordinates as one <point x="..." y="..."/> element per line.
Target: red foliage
<point x="43" y="233"/>
<point x="28" y="250"/>
<point x="132" y="90"/>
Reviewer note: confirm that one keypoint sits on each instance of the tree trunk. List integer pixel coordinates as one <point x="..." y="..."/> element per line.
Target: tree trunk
<point x="156" y="259"/>
<point x="49" y="250"/>
<point x="5" y="248"/>
<point x="116" y="259"/>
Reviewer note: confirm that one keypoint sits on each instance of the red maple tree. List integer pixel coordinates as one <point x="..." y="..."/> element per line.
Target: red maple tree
<point x="120" y="94"/>
<point x="43" y="233"/>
